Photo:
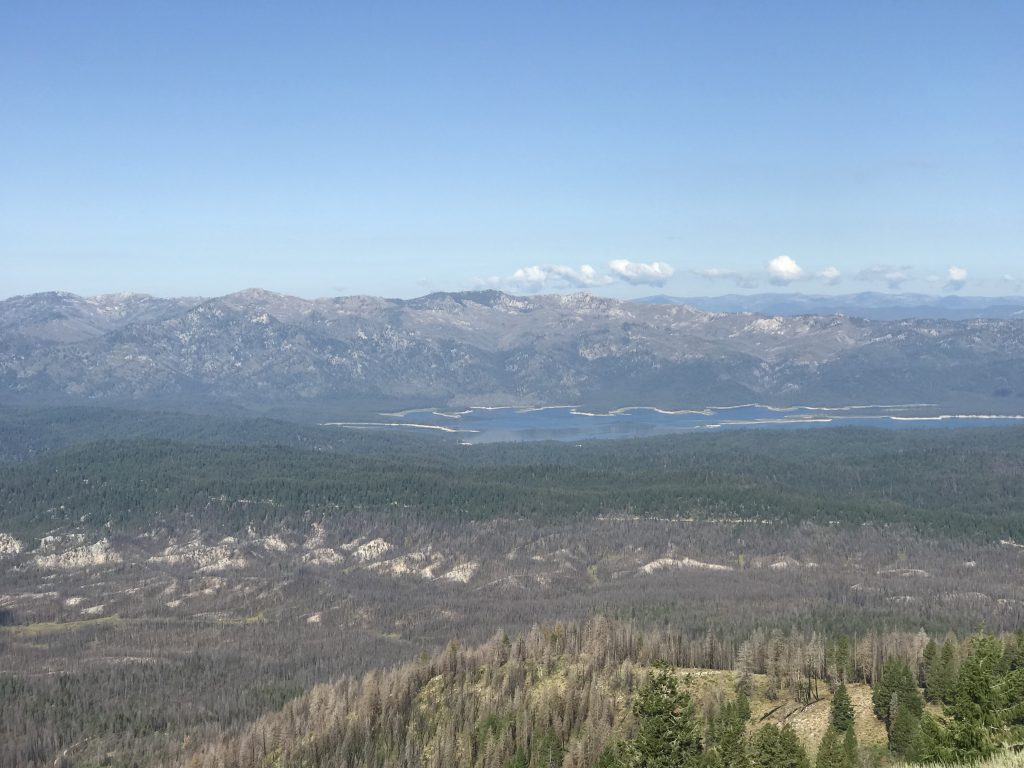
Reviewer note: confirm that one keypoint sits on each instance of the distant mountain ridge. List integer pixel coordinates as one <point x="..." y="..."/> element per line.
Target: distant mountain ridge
<point x="264" y="350"/>
<point x="870" y="305"/>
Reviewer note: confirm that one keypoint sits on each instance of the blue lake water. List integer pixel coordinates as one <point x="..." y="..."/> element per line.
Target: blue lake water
<point x="489" y="424"/>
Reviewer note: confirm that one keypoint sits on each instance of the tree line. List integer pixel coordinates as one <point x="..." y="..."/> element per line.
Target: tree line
<point x="932" y="484"/>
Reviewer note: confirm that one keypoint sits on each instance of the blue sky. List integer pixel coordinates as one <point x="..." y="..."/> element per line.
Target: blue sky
<point x="399" y="148"/>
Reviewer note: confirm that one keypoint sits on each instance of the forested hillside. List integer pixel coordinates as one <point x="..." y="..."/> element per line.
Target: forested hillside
<point x="178" y="579"/>
<point x="605" y="694"/>
<point x="964" y="483"/>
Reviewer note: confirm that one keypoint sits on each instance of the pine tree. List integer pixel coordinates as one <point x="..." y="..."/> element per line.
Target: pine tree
<point x="610" y="757"/>
<point x="929" y="663"/>
<point x="850" y="747"/>
<point x="977" y="701"/>
<point x="765" y="747"/>
<point x="774" y="747"/>
<point x="549" y="752"/>
<point x="742" y="705"/>
<point x="668" y="733"/>
<point x="793" y="754"/>
<point x="903" y="730"/>
<point x="519" y="760"/>
<point x="945" y="672"/>
<point x="932" y="744"/>
<point x="897" y="684"/>
<point x="842" y="709"/>
<point x="744" y="682"/>
<point x="830" y="751"/>
<point x="1013" y="653"/>
<point x="732" y="743"/>
<point x="975" y="697"/>
<point x="841" y="658"/>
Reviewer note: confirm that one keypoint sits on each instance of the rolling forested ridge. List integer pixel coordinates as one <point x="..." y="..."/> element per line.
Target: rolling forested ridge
<point x="221" y="590"/>
<point x="606" y="694"/>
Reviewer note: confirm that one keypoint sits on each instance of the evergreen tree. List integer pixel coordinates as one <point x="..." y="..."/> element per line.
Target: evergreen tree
<point x="842" y="709"/>
<point x="932" y="744"/>
<point x="668" y="733"/>
<point x="774" y="747"/>
<point x="830" y="751"/>
<point x="744" y="682"/>
<point x="903" y="730"/>
<point x="850" y="747"/>
<point x="929" y="664"/>
<point x="742" y="705"/>
<point x="975" y="695"/>
<point x="791" y="750"/>
<point x="945" y="672"/>
<point x="549" y="750"/>
<point x="896" y="685"/>
<point x="976" y="701"/>
<point x="731" y="745"/>
<point x="841" y="658"/>
<point x="1013" y="653"/>
<point x="610" y="757"/>
<point x="519" y="760"/>
<point x="766" y="747"/>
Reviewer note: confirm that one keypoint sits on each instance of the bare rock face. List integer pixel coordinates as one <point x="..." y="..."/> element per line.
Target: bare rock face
<point x="10" y="545"/>
<point x="260" y="348"/>
<point x="85" y="556"/>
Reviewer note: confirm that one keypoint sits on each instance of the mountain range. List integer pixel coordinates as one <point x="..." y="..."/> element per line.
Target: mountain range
<point x="258" y="350"/>
<point x="870" y="305"/>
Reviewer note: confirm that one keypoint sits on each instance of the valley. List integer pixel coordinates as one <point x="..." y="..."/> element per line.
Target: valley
<point x="178" y="591"/>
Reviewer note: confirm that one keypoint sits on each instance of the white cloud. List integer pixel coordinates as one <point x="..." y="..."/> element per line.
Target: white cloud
<point x="956" y="278"/>
<point x="830" y="275"/>
<point x="716" y="273"/>
<point x="638" y="273"/>
<point x="540" y="276"/>
<point x="783" y="270"/>
<point x="893" y="277"/>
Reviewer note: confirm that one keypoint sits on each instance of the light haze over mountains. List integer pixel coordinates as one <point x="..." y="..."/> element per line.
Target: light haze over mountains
<point x="261" y="350"/>
<point x="870" y="305"/>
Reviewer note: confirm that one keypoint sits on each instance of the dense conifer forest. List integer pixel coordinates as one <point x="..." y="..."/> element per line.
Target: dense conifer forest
<point x="947" y="483"/>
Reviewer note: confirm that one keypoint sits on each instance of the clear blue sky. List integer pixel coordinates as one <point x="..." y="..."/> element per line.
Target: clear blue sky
<point x="399" y="148"/>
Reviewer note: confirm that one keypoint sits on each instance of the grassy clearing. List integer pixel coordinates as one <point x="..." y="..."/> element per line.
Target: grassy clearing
<point x="808" y="720"/>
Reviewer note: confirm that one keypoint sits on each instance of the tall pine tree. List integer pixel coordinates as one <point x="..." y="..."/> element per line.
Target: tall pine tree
<point x="792" y="752"/>
<point x="668" y="731"/>
<point x="850" y="747"/>
<point x="830" y="751"/>
<point x="842" y="709"/>
<point x="897" y="685"/>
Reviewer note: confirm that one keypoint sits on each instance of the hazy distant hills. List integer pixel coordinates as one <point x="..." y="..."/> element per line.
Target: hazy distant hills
<point x="869" y="305"/>
<point x="262" y="350"/>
